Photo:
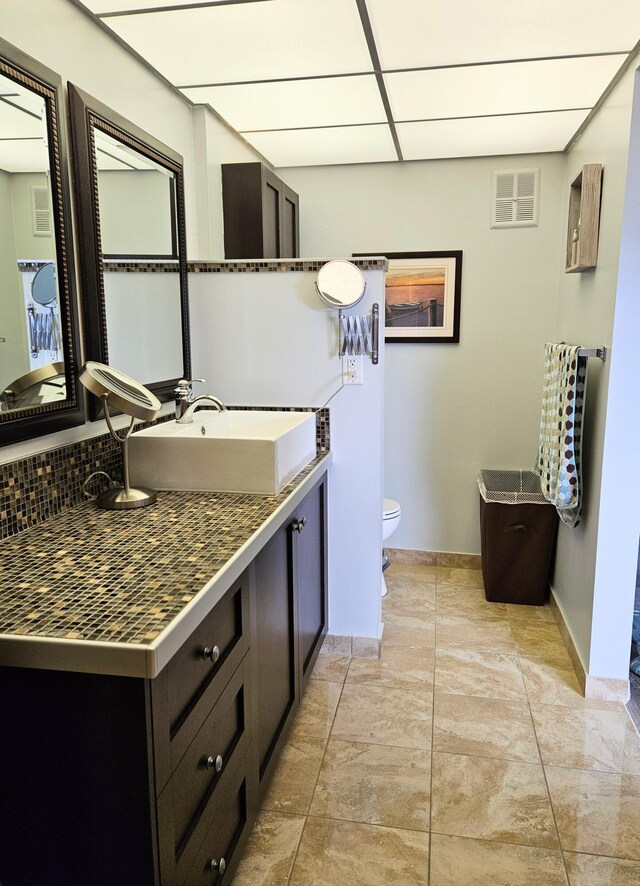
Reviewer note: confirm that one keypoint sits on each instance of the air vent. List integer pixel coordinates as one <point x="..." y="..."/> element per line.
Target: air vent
<point x="515" y="198"/>
<point x="41" y="216"/>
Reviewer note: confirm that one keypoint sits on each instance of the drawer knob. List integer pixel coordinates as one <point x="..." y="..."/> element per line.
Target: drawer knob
<point x="215" y="763"/>
<point x="219" y="866"/>
<point x="211" y="653"/>
<point x="298" y="525"/>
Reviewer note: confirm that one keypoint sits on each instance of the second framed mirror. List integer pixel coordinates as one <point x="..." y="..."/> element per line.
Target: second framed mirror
<point x="129" y="191"/>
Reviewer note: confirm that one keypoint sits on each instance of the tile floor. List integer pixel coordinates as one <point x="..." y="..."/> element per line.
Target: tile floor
<point x="467" y="755"/>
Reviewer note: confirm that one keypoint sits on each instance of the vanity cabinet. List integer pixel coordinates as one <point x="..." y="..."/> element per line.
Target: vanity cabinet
<point x="260" y="213"/>
<point x="291" y="620"/>
<point x="112" y="779"/>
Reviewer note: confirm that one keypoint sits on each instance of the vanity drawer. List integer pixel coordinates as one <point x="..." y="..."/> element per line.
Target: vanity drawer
<point x="202" y="767"/>
<point x="227" y="832"/>
<point x="203" y="666"/>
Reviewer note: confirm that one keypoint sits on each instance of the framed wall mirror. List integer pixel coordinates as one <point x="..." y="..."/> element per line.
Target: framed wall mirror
<point x="38" y="368"/>
<point x="129" y="191"/>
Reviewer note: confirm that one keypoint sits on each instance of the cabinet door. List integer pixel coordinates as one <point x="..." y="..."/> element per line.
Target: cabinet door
<point x="311" y="579"/>
<point x="275" y="653"/>
<point x="290" y="247"/>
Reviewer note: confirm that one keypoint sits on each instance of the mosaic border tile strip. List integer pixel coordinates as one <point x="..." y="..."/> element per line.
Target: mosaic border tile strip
<point x="141" y="267"/>
<point x="279" y="265"/>
<point x="35" y="265"/>
<point x="86" y="576"/>
<point x="38" y="487"/>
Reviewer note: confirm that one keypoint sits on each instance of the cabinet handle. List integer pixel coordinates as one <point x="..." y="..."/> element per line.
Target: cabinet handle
<point x="215" y="763"/>
<point x="211" y="653"/>
<point x="219" y="866"/>
<point x="298" y="525"/>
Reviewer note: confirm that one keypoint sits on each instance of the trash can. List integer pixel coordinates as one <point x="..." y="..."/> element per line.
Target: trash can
<point x="518" y="528"/>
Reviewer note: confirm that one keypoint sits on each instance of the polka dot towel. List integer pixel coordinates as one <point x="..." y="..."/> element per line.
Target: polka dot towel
<point x="563" y="395"/>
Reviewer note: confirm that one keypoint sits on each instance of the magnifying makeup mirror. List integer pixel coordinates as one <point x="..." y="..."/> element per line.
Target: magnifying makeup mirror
<point x="43" y="285"/>
<point x="129" y="396"/>
<point x="340" y="284"/>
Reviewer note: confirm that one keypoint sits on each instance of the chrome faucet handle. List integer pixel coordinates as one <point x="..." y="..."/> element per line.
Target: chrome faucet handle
<point x="184" y="387"/>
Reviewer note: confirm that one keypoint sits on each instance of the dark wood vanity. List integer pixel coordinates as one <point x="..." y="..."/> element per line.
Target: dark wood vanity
<point x="123" y="780"/>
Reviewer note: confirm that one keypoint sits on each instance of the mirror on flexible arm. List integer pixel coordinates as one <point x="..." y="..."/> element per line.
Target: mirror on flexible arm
<point x="125" y="394"/>
<point x="38" y="389"/>
<point x="129" y="191"/>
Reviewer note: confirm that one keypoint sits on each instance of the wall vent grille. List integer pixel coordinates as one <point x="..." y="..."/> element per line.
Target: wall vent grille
<point x="41" y="215"/>
<point x="515" y="198"/>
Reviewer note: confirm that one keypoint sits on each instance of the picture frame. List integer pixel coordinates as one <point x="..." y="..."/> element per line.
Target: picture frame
<point x="430" y="281"/>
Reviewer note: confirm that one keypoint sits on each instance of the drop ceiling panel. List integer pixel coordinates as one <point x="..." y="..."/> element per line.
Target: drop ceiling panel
<point x="249" y="41"/>
<point x="481" y="137"/>
<point x="410" y="34"/>
<point x="105" y="6"/>
<point x="319" y="147"/>
<point x="297" y="103"/>
<point x="24" y="156"/>
<point x="15" y="123"/>
<point x="500" y="89"/>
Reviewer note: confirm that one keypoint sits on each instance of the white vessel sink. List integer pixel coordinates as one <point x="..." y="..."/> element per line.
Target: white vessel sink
<point x="231" y="451"/>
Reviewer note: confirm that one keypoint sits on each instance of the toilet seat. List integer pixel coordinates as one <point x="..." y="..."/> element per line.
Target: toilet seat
<point x="390" y="509"/>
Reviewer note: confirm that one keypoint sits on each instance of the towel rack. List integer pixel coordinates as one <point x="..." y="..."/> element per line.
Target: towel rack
<point x="600" y="353"/>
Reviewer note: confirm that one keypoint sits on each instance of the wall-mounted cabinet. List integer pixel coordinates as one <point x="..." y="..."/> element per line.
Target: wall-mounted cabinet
<point x="584" y="219"/>
<point x="260" y="213"/>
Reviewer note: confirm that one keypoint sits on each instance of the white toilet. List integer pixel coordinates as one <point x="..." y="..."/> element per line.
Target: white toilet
<point x="391" y="514"/>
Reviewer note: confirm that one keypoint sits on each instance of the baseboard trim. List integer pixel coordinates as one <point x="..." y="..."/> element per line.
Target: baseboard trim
<point x="596" y="688"/>
<point x="355" y="647"/>
<point x="409" y="556"/>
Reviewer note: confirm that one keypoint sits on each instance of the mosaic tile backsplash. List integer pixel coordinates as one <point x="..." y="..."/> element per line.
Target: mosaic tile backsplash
<point x="87" y="576"/>
<point x="41" y="486"/>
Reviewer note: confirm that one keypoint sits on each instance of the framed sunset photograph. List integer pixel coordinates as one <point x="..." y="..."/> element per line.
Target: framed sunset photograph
<point x="422" y="296"/>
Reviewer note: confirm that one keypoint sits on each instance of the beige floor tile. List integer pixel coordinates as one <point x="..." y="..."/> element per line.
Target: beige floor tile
<point x="491" y="800"/>
<point x="550" y="682"/>
<point x="384" y="716"/>
<point x="294" y="779"/>
<point x="596" y="812"/>
<point x="539" y="639"/>
<point x="487" y="633"/>
<point x="350" y="854"/>
<point x="409" y="630"/>
<point x="486" y="727"/>
<point x="317" y="710"/>
<point x="458" y="578"/>
<point x="270" y="850"/>
<point x="474" y="672"/>
<point x="375" y="784"/>
<point x="594" y="870"/>
<point x="458" y="861"/>
<point x="408" y="596"/>
<point x="401" y="667"/>
<point x="583" y="738"/>
<point x="331" y="668"/>
<point x="518" y="612"/>
<point x="415" y="571"/>
<point x="467" y="602"/>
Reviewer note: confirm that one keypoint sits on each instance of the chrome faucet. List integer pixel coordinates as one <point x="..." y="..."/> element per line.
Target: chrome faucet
<point x="187" y="404"/>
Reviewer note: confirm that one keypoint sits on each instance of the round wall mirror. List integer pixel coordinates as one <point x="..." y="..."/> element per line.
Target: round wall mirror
<point x="340" y="284"/>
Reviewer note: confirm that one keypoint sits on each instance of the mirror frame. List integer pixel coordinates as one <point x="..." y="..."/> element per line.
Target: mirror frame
<point x="48" y="418"/>
<point x="88" y="114"/>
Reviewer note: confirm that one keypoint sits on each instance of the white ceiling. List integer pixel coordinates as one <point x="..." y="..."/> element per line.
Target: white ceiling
<point x="355" y="81"/>
<point x="23" y="145"/>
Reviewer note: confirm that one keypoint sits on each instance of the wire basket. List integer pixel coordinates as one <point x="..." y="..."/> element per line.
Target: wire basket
<point x="511" y="487"/>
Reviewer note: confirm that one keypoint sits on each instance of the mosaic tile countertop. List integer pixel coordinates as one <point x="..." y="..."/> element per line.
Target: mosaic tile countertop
<point x="103" y="582"/>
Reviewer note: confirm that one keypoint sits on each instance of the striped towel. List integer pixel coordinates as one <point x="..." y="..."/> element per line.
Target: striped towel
<point x="565" y="377"/>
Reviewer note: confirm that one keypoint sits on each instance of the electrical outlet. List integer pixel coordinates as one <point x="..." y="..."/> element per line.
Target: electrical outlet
<point x="352" y="370"/>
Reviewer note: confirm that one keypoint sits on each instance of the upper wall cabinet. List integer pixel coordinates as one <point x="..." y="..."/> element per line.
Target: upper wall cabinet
<point x="584" y="219"/>
<point x="260" y="213"/>
<point x="38" y="370"/>
<point x="129" y="191"/>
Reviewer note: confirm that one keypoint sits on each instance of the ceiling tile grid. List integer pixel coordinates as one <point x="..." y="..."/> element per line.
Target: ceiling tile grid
<point x="312" y="82"/>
